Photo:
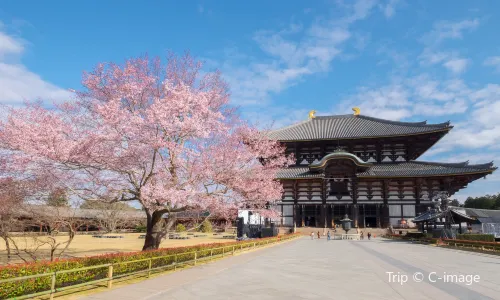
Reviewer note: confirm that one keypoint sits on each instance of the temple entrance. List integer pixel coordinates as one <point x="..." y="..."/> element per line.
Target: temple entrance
<point x="310" y="221"/>
<point x="311" y="215"/>
<point x="368" y="215"/>
<point x="370" y="222"/>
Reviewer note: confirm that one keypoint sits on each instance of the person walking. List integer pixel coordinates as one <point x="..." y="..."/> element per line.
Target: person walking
<point x="361" y="235"/>
<point x="328" y="235"/>
<point x="369" y="235"/>
<point x="312" y="235"/>
<point x="319" y="236"/>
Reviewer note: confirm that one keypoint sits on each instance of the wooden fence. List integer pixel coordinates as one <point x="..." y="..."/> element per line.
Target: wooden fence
<point x="196" y="256"/>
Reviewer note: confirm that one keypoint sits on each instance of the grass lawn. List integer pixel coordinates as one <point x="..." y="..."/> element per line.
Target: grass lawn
<point x="86" y="245"/>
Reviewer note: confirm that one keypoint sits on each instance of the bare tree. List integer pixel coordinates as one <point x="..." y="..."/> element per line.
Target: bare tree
<point x="12" y="194"/>
<point x="112" y="216"/>
<point x="60" y="224"/>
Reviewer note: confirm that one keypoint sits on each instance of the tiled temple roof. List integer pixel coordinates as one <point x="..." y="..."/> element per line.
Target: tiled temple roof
<point x="351" y="127"/>
<point x="399" y="169"/>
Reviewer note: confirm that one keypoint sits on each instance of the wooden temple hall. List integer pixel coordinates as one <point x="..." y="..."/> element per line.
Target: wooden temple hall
<point x="364" y="167"/>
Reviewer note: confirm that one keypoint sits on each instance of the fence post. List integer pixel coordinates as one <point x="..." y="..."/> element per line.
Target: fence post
<point x="195" y="257"/>
<point x="110" y="276"/>
<point x="53" y="286"/>
<point x="149" y="267"/>
<point x="211" y="254"/>
<point x="254" y="244"/>
<point x="175" y="262"/>
<point x="222" y="251"/>
<point x="233" y="250"/>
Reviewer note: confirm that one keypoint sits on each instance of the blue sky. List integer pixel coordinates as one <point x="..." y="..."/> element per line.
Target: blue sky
<point x="395" y="59"/>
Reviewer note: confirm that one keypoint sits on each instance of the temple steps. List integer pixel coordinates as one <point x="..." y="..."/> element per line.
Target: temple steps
<point x="307" y="230"/>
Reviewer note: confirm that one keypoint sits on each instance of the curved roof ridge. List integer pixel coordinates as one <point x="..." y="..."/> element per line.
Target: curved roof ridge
<point x="482" y="166"/>
<point x="289" y="126"/>
<point x="353" y="127"/>
<point x="421" y="123"/>
<point x="444" y="164"/>
<point x="335" y="116"/>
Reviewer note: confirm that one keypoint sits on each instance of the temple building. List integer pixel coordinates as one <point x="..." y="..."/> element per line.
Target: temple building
<point x="364" y="167"/>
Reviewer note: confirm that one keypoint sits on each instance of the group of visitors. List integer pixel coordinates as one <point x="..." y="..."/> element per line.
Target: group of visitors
<point x="329" y="237"/>
<point x="362" y="235"/>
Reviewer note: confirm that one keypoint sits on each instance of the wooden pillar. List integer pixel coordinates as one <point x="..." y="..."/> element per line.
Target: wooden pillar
<point x="355" y="214"/>
<point x="332" y="219"/>
<point x="377" y="211"/>
<point x="323" y="216"/>
<point x="324" y="194"/>
<point x="385" y="208"/>
<point x="303" y="222"/>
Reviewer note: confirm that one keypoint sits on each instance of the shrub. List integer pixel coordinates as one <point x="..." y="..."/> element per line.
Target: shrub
<point x="30" y="286"/>
<point x="206" y="226"/>
<point x="476" y="237"/>
<point x="180" y="228"/>
<point x="415" y="235"/>
<point x="140" y="228"/>
<point x="418" y="235"/>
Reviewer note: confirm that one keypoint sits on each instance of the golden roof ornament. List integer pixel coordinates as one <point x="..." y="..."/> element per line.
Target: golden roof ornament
<point x="356" y="110"/>
<point x="312" y="114"/>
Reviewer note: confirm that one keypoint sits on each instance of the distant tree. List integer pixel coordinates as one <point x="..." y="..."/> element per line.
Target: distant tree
<point x="483" y="202"/>
<point x="456" y="203"/>
<point x="95" y="204"/>
<point x="58" y="197"/>
<point x="112" y="215"/>
<point x="11" y="198"/>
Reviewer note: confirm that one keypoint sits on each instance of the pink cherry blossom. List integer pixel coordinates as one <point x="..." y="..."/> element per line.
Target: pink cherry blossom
<point x="160" y="134"/>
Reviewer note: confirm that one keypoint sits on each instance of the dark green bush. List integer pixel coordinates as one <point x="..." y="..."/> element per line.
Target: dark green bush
<point x="415" y="235"/>
<point x="30" y="286"/>
<point x="418" y="235"/>
<point x="140" y="228"/>
<point x="476" y="237"/>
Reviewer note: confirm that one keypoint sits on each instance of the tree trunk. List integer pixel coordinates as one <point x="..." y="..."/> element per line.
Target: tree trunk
<point x="153" y="228"/>
<point x="7" y="247"/>
<point x="156" y="229"/>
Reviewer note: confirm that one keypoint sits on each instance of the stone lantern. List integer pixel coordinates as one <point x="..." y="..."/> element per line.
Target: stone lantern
<point x="346" y="223"/>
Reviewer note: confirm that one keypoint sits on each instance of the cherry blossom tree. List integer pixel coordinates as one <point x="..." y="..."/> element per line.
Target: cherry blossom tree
<point x="162" y="134"/>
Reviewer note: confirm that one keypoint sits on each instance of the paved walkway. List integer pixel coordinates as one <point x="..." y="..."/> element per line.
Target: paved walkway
<point x="317" y="269"/>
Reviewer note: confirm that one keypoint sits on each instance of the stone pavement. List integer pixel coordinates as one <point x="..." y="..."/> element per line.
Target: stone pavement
<point x="320" y="269"/>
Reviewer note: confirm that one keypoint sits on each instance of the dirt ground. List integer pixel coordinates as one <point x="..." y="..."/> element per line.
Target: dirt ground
<point x="86" y="245"/>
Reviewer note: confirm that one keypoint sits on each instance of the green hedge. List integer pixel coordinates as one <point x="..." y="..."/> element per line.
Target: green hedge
<point x="418" y="235"/>
<point x="31" y="286"/>
<point x="476" y="237"/>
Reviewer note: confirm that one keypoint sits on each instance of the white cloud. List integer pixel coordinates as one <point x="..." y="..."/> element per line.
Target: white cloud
<point x="390" y="102"/>
<point x="20" y="84"/>
<point x="449" y="30"/>
<point x="389" y="8"/>
<point x="10" y="45"/>
<point x="457" y="66"/>
<point x="415" y="96"/>
<point x="291" y="54"/>
<point x="493" y="61"/>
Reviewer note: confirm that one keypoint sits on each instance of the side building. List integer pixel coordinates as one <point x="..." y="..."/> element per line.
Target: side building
<point x="366" y="168"/>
